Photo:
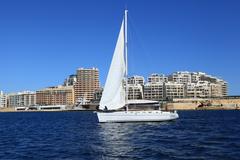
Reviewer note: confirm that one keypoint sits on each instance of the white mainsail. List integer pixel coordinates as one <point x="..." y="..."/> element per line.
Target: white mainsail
<point x="113" y="96"/>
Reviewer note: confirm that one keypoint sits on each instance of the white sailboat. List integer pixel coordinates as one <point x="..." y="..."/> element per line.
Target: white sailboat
<point x="114" y="95"/>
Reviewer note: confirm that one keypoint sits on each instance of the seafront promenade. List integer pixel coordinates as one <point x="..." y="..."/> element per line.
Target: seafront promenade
<point x="226" y="103"/>
<point x="176" y="104"/>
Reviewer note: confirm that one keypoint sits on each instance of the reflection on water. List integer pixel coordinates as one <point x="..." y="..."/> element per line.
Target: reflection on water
<point x="123" y="140"/>
<point x="115" y="139"/>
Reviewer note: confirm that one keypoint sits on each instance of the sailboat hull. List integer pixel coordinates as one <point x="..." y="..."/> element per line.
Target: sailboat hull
<point x="136" y="116"/>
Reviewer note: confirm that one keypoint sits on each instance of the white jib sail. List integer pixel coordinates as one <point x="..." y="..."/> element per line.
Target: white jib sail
<point x="113" y="96"/>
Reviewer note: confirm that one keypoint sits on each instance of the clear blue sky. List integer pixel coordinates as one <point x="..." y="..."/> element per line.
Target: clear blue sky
<point x="44" y="41"/>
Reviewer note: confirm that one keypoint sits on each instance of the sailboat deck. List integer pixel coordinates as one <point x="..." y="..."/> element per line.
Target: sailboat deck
<point x="136" y="116"/>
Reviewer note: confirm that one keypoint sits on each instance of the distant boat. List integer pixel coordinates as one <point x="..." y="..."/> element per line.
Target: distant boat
<point x="115" y="98"/>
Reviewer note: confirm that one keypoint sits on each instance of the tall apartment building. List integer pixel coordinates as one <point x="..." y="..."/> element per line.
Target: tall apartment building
<point x="154" y="91"/>
<point x="3" y="100"/>
<point x="22" y="99"/>
<point x="156" y="78"/>
<point x="87" y="83"/>
<point x="59" y="95"/>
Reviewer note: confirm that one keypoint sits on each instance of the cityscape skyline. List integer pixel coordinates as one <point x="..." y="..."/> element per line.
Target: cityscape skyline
<point x="178" y="77"/>
<point x="84" y="88"/>
<point x="44" y="42"/>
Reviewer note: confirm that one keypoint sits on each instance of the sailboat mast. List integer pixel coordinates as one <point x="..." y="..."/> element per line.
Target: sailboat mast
<point x="126" y="53"/>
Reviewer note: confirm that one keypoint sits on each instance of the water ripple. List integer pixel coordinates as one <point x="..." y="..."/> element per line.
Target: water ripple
<point x="77" y="135"/>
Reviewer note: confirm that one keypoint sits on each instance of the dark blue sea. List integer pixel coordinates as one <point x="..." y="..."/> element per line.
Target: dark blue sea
<point x="77" y="135"/>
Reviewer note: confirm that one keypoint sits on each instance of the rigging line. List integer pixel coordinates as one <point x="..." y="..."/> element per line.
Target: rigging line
<point x="132" y="54"/>
<point x="140" y="44"/>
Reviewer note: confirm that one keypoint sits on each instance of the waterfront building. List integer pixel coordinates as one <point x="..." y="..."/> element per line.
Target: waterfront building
<point x="182" y="77"/>
<point x="191" y="90"/>
<point x="184" y="85"/>
<point x="218" y="86"/>
<point x="3" y="100"/>
<point x="224" y="86"/>
<point x="22" y="99"/>
<point x="87" y="83"/>
<point x="199" y="84"/>
<point x="135" y="91"/>
<point x="174" y="90"/>
<point x="70" y="80"/>
<point x="59" y="95"/>
<point x="156" y="78"/>
<point x="216" y="90"/>
<point x="177" y="85"/>
<point x="135" y="87"/>
<point x="136" y="80"/>
<point x="201" y="89"/>
<point x="154" y="91"/>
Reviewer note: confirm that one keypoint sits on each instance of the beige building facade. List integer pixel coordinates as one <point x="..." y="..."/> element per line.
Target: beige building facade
<point x="59" y="95"/>
<point x="135" y="91"/>
<point x="154" y="91"/>
<point x="87" y="83"/>
<point x="22" y="99"/>
<point x="174" y="90"/>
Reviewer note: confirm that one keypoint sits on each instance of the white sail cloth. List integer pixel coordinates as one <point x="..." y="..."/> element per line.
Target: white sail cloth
<point x="113" y="96"/>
